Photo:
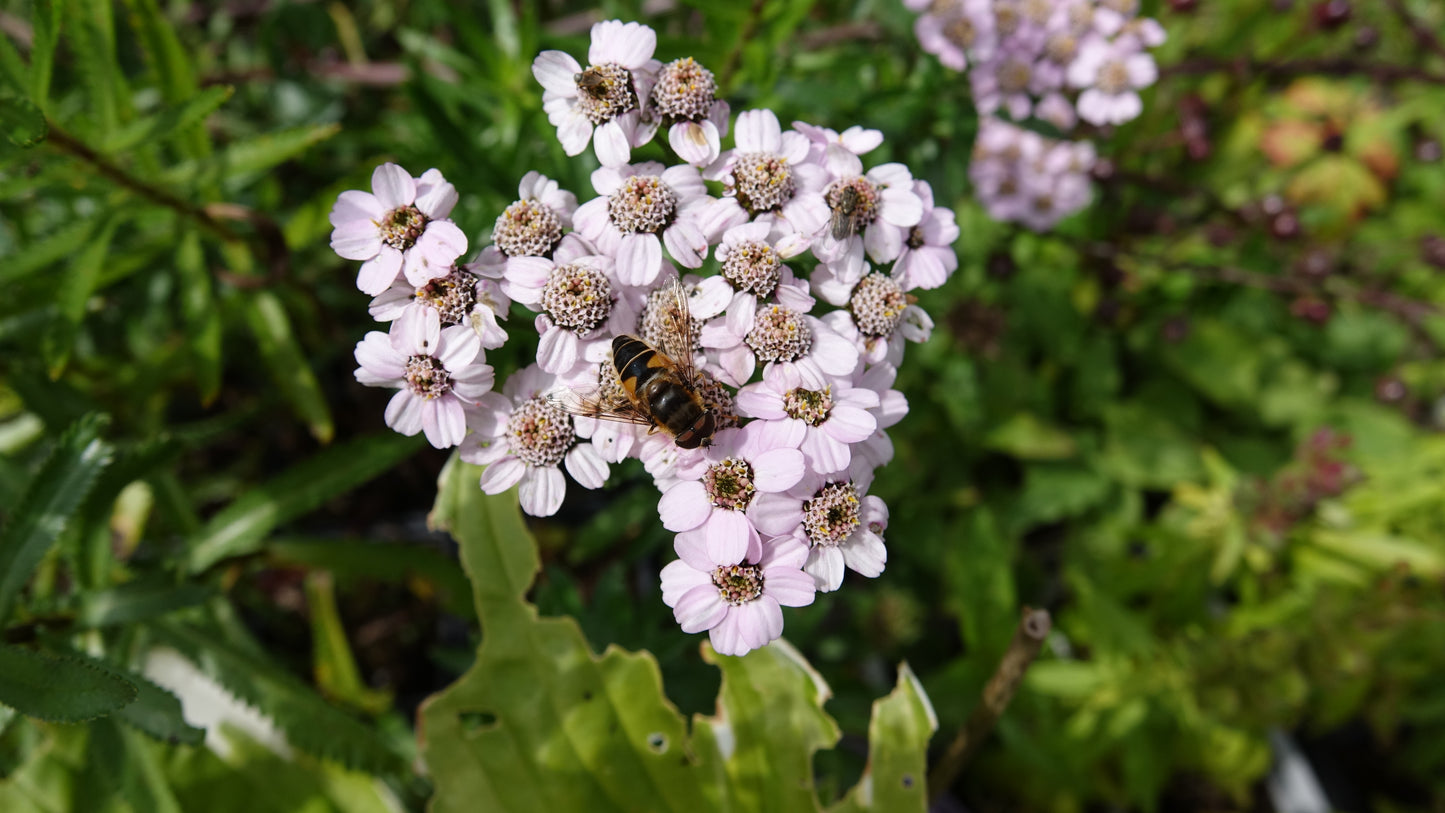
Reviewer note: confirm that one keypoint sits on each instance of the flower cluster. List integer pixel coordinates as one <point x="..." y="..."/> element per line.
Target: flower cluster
<point x="1058" y="61"/>
<point x="1024" y="177"/>
<point x="734" y="320"/>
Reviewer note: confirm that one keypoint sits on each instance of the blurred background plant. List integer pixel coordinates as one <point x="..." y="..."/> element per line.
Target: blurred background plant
<point x="1198" y="421"/>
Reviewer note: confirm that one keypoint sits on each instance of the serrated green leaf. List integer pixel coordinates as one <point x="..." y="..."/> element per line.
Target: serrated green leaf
<point x="243" y="161"/>
<point x="157" y="713"/>
<point x="198" y="309"/>
<point x="241" y="527"/>
<point x="80" y="282"/>
<point x="23" y="122"/>
<point x="289" y="365"/>
<point x="137" y="601"/>
<point x="173" y="67"/>
<point x="48" y="503"/>
<point x="309" y="722"/>
<point x="168" y="122"/>
<point x="59" y="688"/>
<point x="45" y="24"/>
<point x="91" y="41"/>
<point x="898" y="735"/>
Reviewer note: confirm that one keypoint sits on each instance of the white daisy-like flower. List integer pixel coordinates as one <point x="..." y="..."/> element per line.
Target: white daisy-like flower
<point x="639" y="209"/>
<point x="523" y="437"/>
<point x="399" y="227"/>
<point x="603" y="102"/>
<point x="438" y="372"/>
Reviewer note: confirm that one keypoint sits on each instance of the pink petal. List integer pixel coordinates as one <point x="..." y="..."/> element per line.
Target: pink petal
<point x="790" y="586"/>
<point x="700" y="608"/>
<point x="824" y="453"/>
<point x="393" y="186"/>
<point x="695" y="142"/>
<point x="639" y="258"/>
<point x="353" y="206"/>
<point x="574" y="131"/>
<point x="557" y="72"/>
<point x="611" y="144"/>
<point x="587" y="466"/>
<point x="678" y="577"/>
<point x="778" y="470"/>
<point x="729" y="536"/>
<point x="865" y="553"/>
<point x="758" y="401"/>
<point x="775" y="514"/>
<point x="557" y="351"/>
<point x="825" y="565"/>
<point x="502" y="475"/>
<point x="378" y="273"/>
<point x="684" y="506"/>
<point x="686" y="242"/>
<point x="542" y="491"/>
<point x="404" y="412"/>
<point x="849" y="424"/>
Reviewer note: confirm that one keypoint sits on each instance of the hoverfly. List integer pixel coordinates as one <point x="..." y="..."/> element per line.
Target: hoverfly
<point x="843" y="223"/>
<point x="659" y="386"/>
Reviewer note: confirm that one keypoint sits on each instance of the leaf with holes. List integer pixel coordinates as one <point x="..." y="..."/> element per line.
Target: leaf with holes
<point x="540" y="722"/>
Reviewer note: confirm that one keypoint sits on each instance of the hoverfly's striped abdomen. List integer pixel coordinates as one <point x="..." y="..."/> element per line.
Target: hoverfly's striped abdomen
<point x="656" y="386"/>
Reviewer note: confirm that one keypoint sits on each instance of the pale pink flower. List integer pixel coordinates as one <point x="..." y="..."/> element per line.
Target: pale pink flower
<point x="831" y="417"/>
<point x="779" y="335"/>
<point x="1111" y="75"/>
<point x="524" y="437"/>
<point x="884" y="208"/>
<point x="400" y="227"/>
<point x="712" y="510"/>
<point x="438" y="372"/>
<point x="606" y="96"/>
<point x="927" y="259"/>
<point x="767" y="173"/>
<point x="739" y="604"/>
<point x="640" y="208"/>
<point x="839" y="522"/>
<point x="459" y="298"/>
<point x="533" y="226"/>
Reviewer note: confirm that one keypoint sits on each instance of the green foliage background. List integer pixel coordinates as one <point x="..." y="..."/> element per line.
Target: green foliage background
<point x="1198" y="422"/>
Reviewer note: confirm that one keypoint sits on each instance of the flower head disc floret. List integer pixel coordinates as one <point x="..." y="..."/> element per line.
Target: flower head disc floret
<point x="809" y="406"/>
<point x="832" y="514"/>
<point x="643" y="203"/>
<point x="427" y="377"/>
<point x="729" y="484"/>
<point x="862" y="206"/>
<point x="540" y="433"/>
<point x="753" y="266"/>
<point x="878" y="304"/>
<point x="527" y="228"/>
<point x="762" y="182"/>
<point x="738" y="584"/>
<point x="779" y="334"/>
<point x="685" y="90"/>
<point x="454" y="296"/>
<point x="578" y="297"/>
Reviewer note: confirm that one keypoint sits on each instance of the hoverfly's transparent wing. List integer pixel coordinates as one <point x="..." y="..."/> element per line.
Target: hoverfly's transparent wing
<point x="606" y="402"/>
<point x="677" y="336"/>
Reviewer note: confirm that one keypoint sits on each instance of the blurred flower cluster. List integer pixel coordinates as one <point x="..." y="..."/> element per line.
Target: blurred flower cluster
<point x="1057" y="61"/>
<point x="770" y="282"/>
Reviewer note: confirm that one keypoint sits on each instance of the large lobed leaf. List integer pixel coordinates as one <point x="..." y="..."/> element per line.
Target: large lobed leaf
<point x="542" y="723"/>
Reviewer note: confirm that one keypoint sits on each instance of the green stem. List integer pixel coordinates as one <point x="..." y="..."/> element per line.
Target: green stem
<point x="73" y="146"/>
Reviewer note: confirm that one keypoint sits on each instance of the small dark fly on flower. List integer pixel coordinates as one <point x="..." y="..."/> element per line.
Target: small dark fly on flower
<point x="656" y="387"/>
<point x="593" y="82"/>
<point x="843" y="222"/>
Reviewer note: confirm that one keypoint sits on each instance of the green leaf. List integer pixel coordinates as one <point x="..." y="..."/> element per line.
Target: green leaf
<point x="198" y="309"/>
<point x="48" y="503"/>
<point x="91" y="43"/>
<point x="168" y="122"/>
<point x="174" y="70"/>
<point x="57" y="688"/>
<point x="538" y="704"/>
<point x="137" y="601"/>
<point x="14" y="76"/>
<point x="287" y="362"/>
<point x="333" y="663"/>
<point x="73" y="294"/>
<point x="386" y="561"/>
<point x="241" y="527"/>
<point x="50" y="248"/>
<point x="46" y="26"/>
<point x="157" y="713"/>
<point x="1026" y="437"/>
<point x="898" y="735"/>
<point x="244" y="161"/>
<point x="309" y="723"/>
<point x="769" y="723"/>
<point x="23" y="122"/>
